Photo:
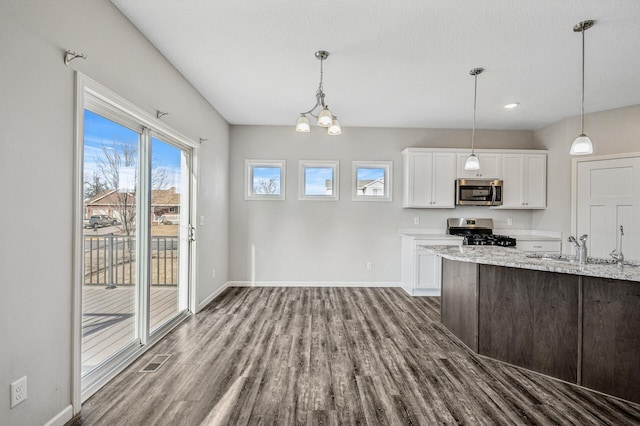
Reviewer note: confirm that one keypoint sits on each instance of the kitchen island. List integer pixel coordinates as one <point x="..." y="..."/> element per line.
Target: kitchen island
<point x="578" y="323"/>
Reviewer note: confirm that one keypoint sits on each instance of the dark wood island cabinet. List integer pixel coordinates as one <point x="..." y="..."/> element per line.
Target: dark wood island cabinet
<point x="611" y="337"/>
<point x="581" y="329"/>
<point x="530" y="319"/>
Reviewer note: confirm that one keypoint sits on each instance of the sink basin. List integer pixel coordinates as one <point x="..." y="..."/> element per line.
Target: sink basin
<point x="599" y="261"/>
<point x="550" y="256"/>
<point x="572" y="259"/>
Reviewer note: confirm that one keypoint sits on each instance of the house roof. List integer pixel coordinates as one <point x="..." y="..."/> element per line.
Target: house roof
<point x="368" y="182"/>
<point x="165" y="197"/>
<point x="159" y="197"/>
<point x="99" y="196"/>
<point x="110" y="198"/>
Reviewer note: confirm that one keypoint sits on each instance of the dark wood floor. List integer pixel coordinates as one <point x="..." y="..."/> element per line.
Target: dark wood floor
<point x="334" y="356"/>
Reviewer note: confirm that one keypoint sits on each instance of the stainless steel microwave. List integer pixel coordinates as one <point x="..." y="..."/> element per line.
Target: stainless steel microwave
<point x="478" y="192"/>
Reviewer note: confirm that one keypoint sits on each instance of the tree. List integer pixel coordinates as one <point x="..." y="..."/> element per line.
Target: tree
<point x="93" y="187"/>
<point x="114" y="161"/>
<point x="117" y="169"/>
<point x="265" y="186"/>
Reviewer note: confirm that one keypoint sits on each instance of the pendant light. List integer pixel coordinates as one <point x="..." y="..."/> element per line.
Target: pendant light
<point x="472" y="162"/>
<point x="325" y="118"/>
<point x="582" y="144"/>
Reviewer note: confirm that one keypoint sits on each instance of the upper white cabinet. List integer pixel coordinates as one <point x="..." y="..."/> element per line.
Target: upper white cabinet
<point x="490" y="166"/>
<point x="524" y="179"/>
<point x="429" y="178"/>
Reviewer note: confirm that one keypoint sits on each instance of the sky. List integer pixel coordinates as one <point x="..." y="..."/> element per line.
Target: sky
<point x="100" y="132"/>
<point x="368" y="173"/>
<point x="265" y="173"/>
<point x="315" y="180"/>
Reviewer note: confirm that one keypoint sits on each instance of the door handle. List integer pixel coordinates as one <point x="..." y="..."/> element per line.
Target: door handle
<point x="191" y="233"/>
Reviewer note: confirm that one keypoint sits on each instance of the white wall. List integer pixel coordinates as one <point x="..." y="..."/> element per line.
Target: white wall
<point x="612" y="132"/>
<point x="330" y="242"/>
<point x="37" y="172"/>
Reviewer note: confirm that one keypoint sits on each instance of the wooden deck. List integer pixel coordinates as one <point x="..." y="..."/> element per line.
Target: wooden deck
<point x="108" y="319"/>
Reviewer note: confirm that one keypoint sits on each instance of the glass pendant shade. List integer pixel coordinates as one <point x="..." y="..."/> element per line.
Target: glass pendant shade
<point x="325" y="119"/>
<point x="335" y="128"/>
<point x="581" y="146"/>
<point x="303" y="125"/>
<point x="472" y="163"/>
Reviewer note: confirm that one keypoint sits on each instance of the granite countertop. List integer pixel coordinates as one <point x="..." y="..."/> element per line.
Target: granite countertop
<point x="511" y="257"/>
<point x="441" y="234"/>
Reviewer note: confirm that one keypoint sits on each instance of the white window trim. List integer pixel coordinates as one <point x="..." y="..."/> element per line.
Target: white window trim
<point x="249" y="165"/>
<point x="334" y="165"/>
<point x="388" y="173"/>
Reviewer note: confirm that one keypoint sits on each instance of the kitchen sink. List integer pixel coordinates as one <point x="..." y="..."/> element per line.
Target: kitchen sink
<point x="599" y="261"/>
<point x="550" y="256"/>
<point x="572" y="259"/>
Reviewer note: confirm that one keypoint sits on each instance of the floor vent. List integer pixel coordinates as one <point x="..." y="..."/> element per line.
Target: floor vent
<point x="155" y="364"/>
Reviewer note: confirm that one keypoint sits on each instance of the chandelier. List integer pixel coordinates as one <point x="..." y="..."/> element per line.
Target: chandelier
<point x="324" y="118"/>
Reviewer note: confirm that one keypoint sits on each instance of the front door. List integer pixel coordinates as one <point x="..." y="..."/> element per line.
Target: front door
<point x="608" y="196"/>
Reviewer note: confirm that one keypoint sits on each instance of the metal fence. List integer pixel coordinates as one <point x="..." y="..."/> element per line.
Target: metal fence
<point x="110" y="260"/>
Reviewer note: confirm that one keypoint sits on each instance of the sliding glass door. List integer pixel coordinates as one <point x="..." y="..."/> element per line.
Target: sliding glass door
<point x="169" y="245"/>
<point x="110" y="290"/>
<point x="136" y="237"/>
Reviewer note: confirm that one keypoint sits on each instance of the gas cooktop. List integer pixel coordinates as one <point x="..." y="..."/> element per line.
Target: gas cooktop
<point x="478" y="232"/>
<point x="489" y="240"/>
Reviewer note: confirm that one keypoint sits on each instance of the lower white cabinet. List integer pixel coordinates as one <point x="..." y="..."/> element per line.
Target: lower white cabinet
<point x="422" y="270"/>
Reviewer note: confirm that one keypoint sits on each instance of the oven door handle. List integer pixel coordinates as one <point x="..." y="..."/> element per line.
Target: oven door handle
<point x="493" y="194"/>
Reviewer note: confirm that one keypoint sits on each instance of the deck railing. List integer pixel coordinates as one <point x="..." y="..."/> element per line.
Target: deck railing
<point x="110" y="260"/>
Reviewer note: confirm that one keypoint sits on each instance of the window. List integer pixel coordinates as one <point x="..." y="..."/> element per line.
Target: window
<point x="318" y="180"/>
<point x="264" y="179"/>
<point x="371" y="180"/>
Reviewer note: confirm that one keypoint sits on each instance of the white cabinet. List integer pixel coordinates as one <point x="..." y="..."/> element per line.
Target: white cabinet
<point x="524" y="179"/>
<point x="490" y="166"/>
<point x="421" y="270"/>
<point x="429" y="179"/>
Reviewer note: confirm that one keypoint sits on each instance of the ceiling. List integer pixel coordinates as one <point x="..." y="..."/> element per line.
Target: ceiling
<point x="399" y="63"/>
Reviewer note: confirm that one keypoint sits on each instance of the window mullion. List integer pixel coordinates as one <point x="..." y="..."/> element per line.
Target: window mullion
<point x="144" y="231"/>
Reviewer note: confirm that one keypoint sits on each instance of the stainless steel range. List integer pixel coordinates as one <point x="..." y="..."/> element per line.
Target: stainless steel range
<point x="478" y="232"/>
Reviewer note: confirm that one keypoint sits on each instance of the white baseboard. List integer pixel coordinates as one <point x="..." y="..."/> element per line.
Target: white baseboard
<point x="422" y="291"/>
<point x="311" y="284"/>
<point x="212" y="296"/>
<point x="62" y="417"/>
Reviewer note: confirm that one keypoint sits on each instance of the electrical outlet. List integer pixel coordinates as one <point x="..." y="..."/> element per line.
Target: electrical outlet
<point x="509" y="221"/>
<point x="213" y="274"/>
<point x="201" y="220"/>
<point x="18" y="391"/>
<point x="416" y="221"/>
<point x="369" y="266"/>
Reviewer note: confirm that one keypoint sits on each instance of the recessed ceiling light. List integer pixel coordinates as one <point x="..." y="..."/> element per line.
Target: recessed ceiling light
<point x="512" y="106"/>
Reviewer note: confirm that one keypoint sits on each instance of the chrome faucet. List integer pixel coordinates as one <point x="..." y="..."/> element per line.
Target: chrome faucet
<point x="581" y="248"/>
<point x="616" y="254"/>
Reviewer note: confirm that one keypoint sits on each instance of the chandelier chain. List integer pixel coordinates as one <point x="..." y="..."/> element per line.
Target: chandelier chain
<point x="475" y="97"/>
<point x="320" y="92"/>
<point x="582" y="105"/>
